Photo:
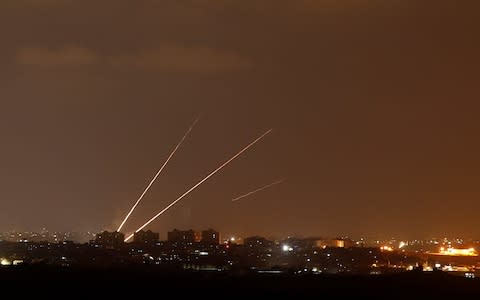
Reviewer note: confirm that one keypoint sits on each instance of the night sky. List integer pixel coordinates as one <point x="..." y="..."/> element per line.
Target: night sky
<point x="374" y="106"/>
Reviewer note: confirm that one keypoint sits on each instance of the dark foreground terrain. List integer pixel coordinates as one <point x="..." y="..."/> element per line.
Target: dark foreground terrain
<point x="167" y="283"/>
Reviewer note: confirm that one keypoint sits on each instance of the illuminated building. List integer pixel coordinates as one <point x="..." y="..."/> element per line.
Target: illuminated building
<point x="211" y="237"/>
<point x="181" y="236"/>
<point x="146" y="237"/>
<point x="110" y="240"/>
<point x="334" y="243"/>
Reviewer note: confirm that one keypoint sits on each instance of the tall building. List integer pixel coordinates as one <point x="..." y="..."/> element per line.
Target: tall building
<point x="181" y="236"/>
<point x="211" y="237"/>
<point x="110" y="240"/>
<point x="146" y="237"/>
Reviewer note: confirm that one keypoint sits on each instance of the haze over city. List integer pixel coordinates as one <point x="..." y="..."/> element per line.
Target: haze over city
<point x="373" y="106"/>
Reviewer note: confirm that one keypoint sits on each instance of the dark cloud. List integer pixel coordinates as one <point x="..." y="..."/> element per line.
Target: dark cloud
<point x="173" y="58"/>
<point x="166" y="58"/>
<point x="65" y="56"/>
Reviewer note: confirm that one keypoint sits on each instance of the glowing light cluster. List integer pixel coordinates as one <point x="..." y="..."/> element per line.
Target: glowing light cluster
<point x="386" y="248"/>
<point x="457" y="252"/>
<point x="450" y="268"/>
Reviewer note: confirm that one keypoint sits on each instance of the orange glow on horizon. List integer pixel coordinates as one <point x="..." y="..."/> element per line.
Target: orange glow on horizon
<point x="457" y="252"/>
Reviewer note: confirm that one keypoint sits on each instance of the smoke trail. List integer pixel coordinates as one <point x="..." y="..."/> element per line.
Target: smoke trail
<point x="259" y="189"/>
<point x="199" y="183"/>
<point x="158" y="173"/>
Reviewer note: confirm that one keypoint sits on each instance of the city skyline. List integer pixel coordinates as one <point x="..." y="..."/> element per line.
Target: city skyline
<point x="372" y="104"/>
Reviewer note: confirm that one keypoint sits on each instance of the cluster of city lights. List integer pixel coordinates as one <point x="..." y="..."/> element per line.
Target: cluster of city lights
<point x="386" y="248"/>
<point x="457" y="252"/>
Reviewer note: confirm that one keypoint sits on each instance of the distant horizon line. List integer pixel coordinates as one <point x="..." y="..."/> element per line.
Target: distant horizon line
<point x="270" y="236"/>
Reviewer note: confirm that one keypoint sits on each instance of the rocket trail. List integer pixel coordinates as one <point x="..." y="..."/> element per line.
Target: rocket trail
<point x="158" y="173"/>
<point x="259" y="189"/>
<point x="199" y="183"/>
